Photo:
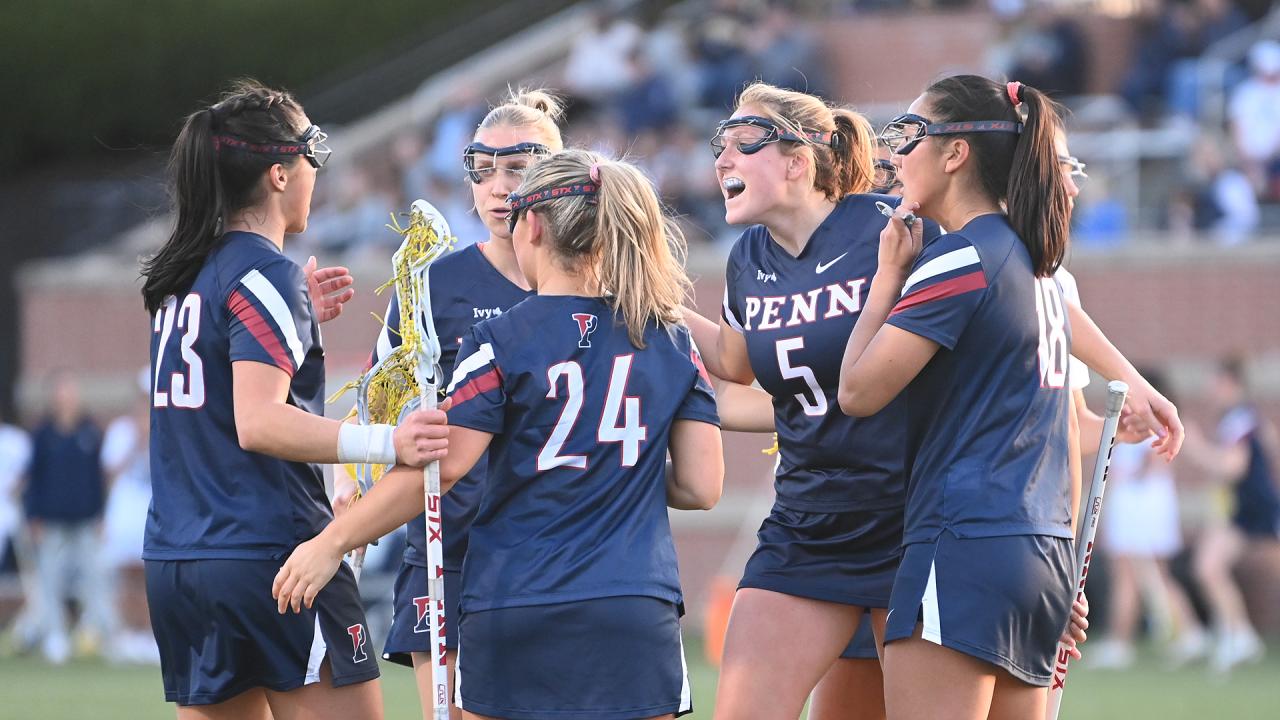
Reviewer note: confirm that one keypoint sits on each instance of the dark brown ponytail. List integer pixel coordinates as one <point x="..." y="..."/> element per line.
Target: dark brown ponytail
<point x="1021" y="170"/>
<point x="206" y="185"/>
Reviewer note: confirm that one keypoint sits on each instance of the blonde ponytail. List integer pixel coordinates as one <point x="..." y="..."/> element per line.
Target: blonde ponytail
<point x="619" y="236"/>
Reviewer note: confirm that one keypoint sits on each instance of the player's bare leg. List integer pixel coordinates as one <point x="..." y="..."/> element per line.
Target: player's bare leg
<point x="776" y="650"/>
<point x="422" y="671"/>
<point x="924" y="681"/>
<point x="1016" y="700"/>
<point x="322" y="701"/>
<point x="853" y="688"/>
<point x="248" y="705"/>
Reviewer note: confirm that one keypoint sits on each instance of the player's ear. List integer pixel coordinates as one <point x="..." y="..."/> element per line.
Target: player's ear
<point x="955" y="154"/>
<point x="797" y="166"/>
<point x="536" y="227"/>
<point x="277" y="177"/>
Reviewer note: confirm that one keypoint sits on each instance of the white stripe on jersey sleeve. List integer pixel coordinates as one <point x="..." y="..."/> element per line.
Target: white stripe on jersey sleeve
<point x="266" y="293"/>
<point x="383" y="348"/>
<point x="728" y="313"/>
<point x="474" y="361"/>
<point x="947" y="262"/>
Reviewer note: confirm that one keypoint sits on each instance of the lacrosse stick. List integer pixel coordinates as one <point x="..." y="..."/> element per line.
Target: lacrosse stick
<point x="1116" y="392"/>
<point x="408" y="378"/>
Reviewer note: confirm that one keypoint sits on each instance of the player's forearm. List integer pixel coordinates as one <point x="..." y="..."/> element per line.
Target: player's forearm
<point x="1074" y="461"/>
<point x="706" y="335"/>
<point x="1090" y="428"/>
<point x="393" y="501"/>
<point x="743" y="408"/>
<point x="886" y="287"/>
<point x="287" y="432"/>
<point x="1091" y="346"/>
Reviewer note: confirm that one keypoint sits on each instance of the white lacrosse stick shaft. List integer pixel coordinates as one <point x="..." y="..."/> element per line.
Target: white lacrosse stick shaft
<point x="429" y="382"/>
<point x="1116" y="392"/>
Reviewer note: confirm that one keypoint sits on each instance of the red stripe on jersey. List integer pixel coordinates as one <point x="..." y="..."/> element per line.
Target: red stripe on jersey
<point x="261" y="330"/>
<point x="958" y="285"/>
<point x="484" y="383"/>
<point x="702" y="369"/>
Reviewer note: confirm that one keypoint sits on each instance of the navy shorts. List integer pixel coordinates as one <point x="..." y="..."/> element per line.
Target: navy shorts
<point x="220" y="634"/>
<point x="848" y="558"/>
<point x="863" y="644"/>
<point x="410" y="632"/>
<point x="1003" y="600"/>
<point x="606" y="659"/>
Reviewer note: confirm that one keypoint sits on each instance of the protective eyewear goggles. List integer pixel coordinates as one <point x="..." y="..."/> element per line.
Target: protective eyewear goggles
<point x="478" y="174"/>
<point x="904" y="132"/>
<point x="519" y="203"/>
<point x="310" y="146"/>
<point x="1077" y="167"/>
<point x="885" y="180"/>
<point x="771" y="133"/>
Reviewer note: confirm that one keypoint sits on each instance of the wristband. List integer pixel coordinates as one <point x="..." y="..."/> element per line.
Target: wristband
<point x="368" y="444"/>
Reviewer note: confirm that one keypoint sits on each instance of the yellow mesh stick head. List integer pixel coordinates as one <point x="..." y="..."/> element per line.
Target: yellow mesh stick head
<point x="393" y="383"/>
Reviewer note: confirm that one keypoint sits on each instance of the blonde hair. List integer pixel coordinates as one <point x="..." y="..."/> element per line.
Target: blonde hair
<point x="849" y="167"/>
<point x="620" y="236"/>
<point x="537" y="108"/>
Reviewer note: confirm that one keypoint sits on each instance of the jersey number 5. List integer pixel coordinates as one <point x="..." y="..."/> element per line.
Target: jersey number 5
<point x="186" y="389"/>
<point x="1053" y="350"/>
<point x="816" y="408"/>
<point x="630" y="433"/>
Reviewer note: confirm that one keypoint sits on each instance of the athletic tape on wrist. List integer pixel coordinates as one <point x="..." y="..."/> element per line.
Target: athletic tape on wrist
<point x="370" y="444"/>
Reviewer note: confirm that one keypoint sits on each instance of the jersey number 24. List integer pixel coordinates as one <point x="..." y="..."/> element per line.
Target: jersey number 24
<point x="616" y="405"/>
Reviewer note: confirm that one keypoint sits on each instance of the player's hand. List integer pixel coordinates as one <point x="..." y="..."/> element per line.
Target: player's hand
<point x="423" y="437"/>
<point x="309" y="568"/>
<point x="330" y="289"/>
<point x="1159" y="416"/>
<point x="1075" y="635"/>
<point x="900" y="243"/>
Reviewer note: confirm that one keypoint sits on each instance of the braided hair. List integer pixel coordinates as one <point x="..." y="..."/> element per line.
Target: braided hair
<point x="206" y="185"/>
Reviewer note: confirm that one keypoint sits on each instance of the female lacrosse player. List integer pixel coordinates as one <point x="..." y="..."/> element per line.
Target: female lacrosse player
<point x="789" y="165"/>
<point x="478" y="282"/>
<point x="570" y="597"/>
<point x="238" y="427"/>
<point x="975" y="330"/>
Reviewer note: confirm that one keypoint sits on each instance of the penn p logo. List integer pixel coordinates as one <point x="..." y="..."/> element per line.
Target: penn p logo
<point x="422" y="605"/>
<point x="358" y="639"/>
<point x="586" y="325"/>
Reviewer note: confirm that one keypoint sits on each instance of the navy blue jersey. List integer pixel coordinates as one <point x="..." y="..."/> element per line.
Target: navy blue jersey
<point x="465" y="289"/>
<point x="796" y="314"/>
<point x="988" y="413"/>
<point x="1257" y="501"/>
<point x="581" y="421"/>
<point x="210" y="498"/>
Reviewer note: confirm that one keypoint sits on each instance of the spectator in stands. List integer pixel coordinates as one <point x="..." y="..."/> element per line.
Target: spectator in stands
<point x="1219" y="201"/>
<point x="64" y="500"/>
<point x="598" y="68"/>
<point x="1166" y="33"/>
<point x="1241" y="460"/>
<point x="786" y="52"/>
<point x="1211" y="21"/>
<point x="1255" y="119"/>
<point x="648" y="101"/>
<point x="1051" y="53"/>
<point x="724" y="65"/>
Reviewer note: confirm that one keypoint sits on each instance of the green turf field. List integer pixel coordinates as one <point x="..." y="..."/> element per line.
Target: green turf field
<point x="32" y="690"/>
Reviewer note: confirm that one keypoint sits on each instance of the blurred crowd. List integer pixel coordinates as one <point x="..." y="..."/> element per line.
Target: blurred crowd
<point x="651" y="84"/>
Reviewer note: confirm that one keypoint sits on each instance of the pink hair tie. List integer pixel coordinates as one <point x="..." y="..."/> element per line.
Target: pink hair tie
<point x="595" y="173"/>
<point x="1015" y="93"/>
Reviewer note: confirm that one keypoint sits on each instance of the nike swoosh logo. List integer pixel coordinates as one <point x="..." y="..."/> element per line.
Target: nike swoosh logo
<point x="822" y="267"/>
